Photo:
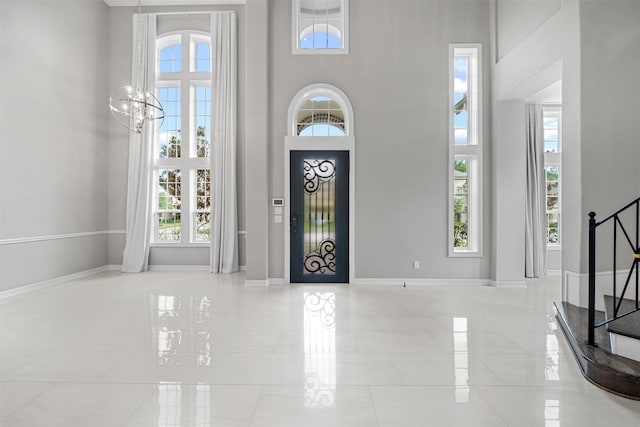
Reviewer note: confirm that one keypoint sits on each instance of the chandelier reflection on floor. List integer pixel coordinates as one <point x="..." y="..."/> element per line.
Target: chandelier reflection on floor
<point x="132" y="107"/>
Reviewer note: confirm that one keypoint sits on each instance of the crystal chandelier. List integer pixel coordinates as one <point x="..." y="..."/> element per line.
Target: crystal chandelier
<point x="132" y="107"/>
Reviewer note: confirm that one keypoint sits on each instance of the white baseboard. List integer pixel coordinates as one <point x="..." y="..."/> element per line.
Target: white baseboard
<point x="32" y="287"/>
<point x="509" y="284"/>
<point x="577" y="287"/>
<point x="368" y="281"/>
<point x="116" y="267"/>
<point x="264" y="282"/>
<point x="421" y="282"/>
<point x="179" y="267"/>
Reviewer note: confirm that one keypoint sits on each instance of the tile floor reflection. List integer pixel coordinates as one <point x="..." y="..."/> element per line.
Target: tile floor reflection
<point x="320" y="349"/>
<point x="195" y="349"/>
<point x="461" y="359"/>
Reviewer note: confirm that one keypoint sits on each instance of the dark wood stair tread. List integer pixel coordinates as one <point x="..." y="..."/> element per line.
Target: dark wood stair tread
<point x="614" y="373"/>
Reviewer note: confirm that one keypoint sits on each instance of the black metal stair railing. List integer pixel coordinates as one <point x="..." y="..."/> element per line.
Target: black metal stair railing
<point x="635" y="266"/>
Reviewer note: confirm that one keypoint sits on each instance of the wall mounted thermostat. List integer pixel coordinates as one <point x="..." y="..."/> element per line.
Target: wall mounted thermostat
<point x="277" y="202"/>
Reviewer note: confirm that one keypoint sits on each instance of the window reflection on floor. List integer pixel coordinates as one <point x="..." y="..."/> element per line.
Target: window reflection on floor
<point x="203" y="405"/>
<point x="169" y="404"/>
<point x="320" y="349"/>
<point x="551" y="413"/>
<point x="552" y="356"/>
<point x="179" y="330"/>
<point x="180" y="335"/>
<point x="183" y="404"/>
<point x="169" y="343"/>
<point x="461" y="359"/>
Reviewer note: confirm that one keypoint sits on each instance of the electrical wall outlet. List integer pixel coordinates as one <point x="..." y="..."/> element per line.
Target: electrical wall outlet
<point x="416" y="264"/>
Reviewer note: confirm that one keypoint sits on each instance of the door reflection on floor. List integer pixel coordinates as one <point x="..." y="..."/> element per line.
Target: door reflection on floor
<point x="320" y="349"/>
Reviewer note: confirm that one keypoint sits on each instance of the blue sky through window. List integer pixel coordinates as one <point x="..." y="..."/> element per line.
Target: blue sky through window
<point x="170" y="59"/>
<point x="170" y="99"/>
<point x="551" y="143"/>
<point x="460" y="90"/>
<point x="203" y="57"/>
<point x="320" y="40"/>
<point x="322" y="130"/>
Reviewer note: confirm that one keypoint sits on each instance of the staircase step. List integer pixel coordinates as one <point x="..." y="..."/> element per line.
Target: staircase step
<point x="617" y="374"/>
<point x="624" y="333"/>
<point x="629" y="326"/>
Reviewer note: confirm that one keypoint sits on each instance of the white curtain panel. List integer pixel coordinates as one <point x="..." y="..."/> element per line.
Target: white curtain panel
<point x="224" y="228"/>
<point x="138" y="217"/>
<point x="535" y="214"/>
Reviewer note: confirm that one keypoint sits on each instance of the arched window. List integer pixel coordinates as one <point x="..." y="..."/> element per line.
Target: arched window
<point x="320" y="116"/>
<point x="169" y="54"/>
<point x="320" y="36"/>
<point x="320" y="110"/>
<point x="181" y="166"/>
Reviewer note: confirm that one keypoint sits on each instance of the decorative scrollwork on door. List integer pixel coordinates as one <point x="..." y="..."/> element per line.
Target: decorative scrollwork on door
<point x="323" y="259"/>
<point x="319" y="216"/>
<point x="316" y="173"/>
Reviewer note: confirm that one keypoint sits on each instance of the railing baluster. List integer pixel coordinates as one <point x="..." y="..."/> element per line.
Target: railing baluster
<point x="615" y="250"/>
<point x="617" y="302"/>
<point x="592" y="279"/>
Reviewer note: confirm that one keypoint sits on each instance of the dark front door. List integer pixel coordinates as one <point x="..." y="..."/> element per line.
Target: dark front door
<point x="319" y="216"/>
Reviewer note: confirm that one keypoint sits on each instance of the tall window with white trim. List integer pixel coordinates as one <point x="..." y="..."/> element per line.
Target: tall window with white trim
<point x="552" y="166"/>
<point x="181" y="171"/>
<point x="465" y="150"/>
<point x="320" y="26"/>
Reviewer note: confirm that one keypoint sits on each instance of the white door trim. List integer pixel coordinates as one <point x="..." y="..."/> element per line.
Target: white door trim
<point x="318" y="143"/>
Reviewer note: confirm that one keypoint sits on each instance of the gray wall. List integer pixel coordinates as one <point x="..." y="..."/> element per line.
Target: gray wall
<point x="257" y="154"/>
<point x="528" y="52"/>
<point x="610" y="67"/>
<point x="120" y="27"/>
<point x="396" y="76"/>
<point x="508" y="197"/>
<point x="53" y="160"/>
<point x="517" y="19"/>
<point x="587" y="44"/>
<point x="63" y="211"/>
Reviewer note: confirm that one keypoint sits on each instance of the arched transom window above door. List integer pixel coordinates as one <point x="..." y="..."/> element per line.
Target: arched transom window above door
<point x="320" y="110"/>
<point x="320" y="116"/>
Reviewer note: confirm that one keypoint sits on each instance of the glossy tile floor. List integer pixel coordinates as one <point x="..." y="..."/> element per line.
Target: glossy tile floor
<point x="194" y="349"/>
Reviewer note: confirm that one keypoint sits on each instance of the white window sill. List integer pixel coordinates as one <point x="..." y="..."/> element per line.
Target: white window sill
<point x="458" y="253"/>
<point x="316" y="51"/>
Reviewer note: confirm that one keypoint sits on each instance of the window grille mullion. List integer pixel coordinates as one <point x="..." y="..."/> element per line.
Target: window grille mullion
<point x="188" y="163"/>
